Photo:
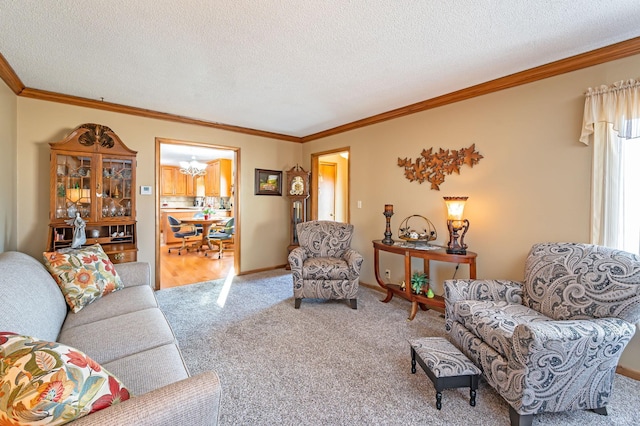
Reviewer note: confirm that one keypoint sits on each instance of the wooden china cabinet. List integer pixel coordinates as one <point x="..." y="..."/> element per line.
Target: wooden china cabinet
<point x="93" y="173"/>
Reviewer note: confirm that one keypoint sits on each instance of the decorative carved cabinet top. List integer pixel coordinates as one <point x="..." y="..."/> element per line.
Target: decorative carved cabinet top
<point x="91" y="137"/>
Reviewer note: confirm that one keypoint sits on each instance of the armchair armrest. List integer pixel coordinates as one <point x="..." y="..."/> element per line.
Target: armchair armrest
<point x="495" y="290"/>
<point x="193" y="401"/>
<point x="560" y="345"/>
<point x="134" y="273"/>
<point x="354" y="261"/>
<point x="296" y="258"/>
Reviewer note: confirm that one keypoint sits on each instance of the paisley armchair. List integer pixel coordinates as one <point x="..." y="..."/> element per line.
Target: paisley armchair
<point x="552" y="342"/>
<point x="324" y="265"/>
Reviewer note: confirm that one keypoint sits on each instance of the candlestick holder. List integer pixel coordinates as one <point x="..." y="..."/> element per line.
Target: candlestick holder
<point x="388" y="212"/>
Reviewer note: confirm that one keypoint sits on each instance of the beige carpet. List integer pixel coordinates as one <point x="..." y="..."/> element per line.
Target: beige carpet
<point x="326" y="364"/>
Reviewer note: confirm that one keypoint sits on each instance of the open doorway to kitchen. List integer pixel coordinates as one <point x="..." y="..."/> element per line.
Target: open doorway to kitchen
<point x="194" y="179"/>
<point x="330" y="185"/>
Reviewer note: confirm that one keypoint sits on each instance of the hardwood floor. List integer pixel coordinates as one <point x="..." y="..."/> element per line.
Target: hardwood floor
<point x="192" y="267"/>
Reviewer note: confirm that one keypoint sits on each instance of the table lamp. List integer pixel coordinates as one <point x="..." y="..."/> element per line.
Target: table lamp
<point x="455" y="223"/>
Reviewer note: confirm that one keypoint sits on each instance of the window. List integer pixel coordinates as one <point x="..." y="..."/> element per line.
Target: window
<point x="629" y="209"/>
<point x="612" y="121"/>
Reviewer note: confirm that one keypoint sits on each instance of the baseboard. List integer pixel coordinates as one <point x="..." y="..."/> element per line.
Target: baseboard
<point x="373" y="287"/>
<point x="628" y="372"/>
<point x="271" y="268"/>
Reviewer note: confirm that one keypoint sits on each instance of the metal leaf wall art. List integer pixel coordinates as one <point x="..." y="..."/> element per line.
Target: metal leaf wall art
<point x="433" y="167"/>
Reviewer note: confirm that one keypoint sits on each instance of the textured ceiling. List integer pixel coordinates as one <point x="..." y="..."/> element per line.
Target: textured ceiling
<point x="293" y="67"/>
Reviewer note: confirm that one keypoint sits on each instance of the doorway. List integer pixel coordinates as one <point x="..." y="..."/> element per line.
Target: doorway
<point x="330" y="185"/>
<point x="184" y="196"/>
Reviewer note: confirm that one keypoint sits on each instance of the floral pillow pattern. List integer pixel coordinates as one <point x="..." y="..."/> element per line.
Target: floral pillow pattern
<point x="48" y="383"/>
<point x="84" y="275"/>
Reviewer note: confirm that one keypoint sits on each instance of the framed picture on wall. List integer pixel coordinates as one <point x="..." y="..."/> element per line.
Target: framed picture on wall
<point x="268" y="182"/>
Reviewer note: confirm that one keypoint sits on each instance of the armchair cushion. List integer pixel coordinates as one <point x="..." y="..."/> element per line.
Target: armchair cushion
<point x="495" y="322"/>
<point x="326" y="268"/>
<point x="325" y="238"/>
<point x="580" y="281"/>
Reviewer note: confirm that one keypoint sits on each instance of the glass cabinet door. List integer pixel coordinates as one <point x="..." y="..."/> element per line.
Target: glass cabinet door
<point x="117" y="184"/>
<point x="298" y="213"/>
<point x="73" y="186"/>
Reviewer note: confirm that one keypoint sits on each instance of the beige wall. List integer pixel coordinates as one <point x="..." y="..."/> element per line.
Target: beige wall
<point x="532" y="185"/>
<point x="263" y="219"/>
<point x="8" y="136"/>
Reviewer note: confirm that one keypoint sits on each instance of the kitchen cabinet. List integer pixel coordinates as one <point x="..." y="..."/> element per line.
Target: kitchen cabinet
<point x="217" y="181"/>
<point x="173" y="182"/>
<point x="93" y="174"/>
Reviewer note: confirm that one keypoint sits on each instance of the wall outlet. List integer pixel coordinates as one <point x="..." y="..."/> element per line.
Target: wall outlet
<point x="387" y="273"/>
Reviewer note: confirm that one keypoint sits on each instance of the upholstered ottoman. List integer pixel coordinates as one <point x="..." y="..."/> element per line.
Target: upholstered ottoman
<point x="445" y="365"/>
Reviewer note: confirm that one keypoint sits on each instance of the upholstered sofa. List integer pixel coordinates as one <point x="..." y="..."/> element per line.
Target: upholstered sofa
<point x="552" y="342"/>
<point x="124" y="332"/>
<point x="325" y="266"/>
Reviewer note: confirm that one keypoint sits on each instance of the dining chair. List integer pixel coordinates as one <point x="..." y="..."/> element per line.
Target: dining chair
<point x="183" y="232"/>
<point x="222" y="236"/>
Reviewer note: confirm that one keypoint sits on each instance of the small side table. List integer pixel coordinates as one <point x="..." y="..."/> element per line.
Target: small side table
<point x="427" y="254"/>
<point x="445" y="365"/>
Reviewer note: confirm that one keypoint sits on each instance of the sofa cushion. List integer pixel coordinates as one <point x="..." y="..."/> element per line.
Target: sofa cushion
<point x="127" y="300"/>
<point x="494" y="321"/>
<point x="48" y="383"/>
<point x="84" y="275"/>
<point x="30" y="301"/>
<point x="132" y="333"/>
<point x="150" y="370"/>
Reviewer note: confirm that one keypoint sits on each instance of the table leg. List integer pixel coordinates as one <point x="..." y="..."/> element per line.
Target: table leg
<point x="381" y="283"/>
<point x="205" y="237"/>
<point x="414" y="310"/>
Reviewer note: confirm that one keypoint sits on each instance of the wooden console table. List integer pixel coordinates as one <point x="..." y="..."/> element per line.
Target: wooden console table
<point x="438" y="254"/>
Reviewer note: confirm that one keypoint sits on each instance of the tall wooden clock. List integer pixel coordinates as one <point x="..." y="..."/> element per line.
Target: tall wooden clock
<point x="298" y="192"/>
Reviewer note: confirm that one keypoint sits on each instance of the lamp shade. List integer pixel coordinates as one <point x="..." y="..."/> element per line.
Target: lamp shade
<point x="455" y="207"/>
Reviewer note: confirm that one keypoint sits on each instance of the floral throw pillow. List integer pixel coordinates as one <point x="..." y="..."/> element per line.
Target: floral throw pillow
<point x="48" y="383"/>
<point x="84" y="275"/>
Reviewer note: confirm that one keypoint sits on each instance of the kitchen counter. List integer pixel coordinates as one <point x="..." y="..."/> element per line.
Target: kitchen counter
<point x="180" y="209"/>
<point x="194" y="209"/>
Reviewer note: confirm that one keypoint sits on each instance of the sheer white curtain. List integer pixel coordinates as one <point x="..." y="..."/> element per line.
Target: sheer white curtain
<point x="612" y="120"/>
